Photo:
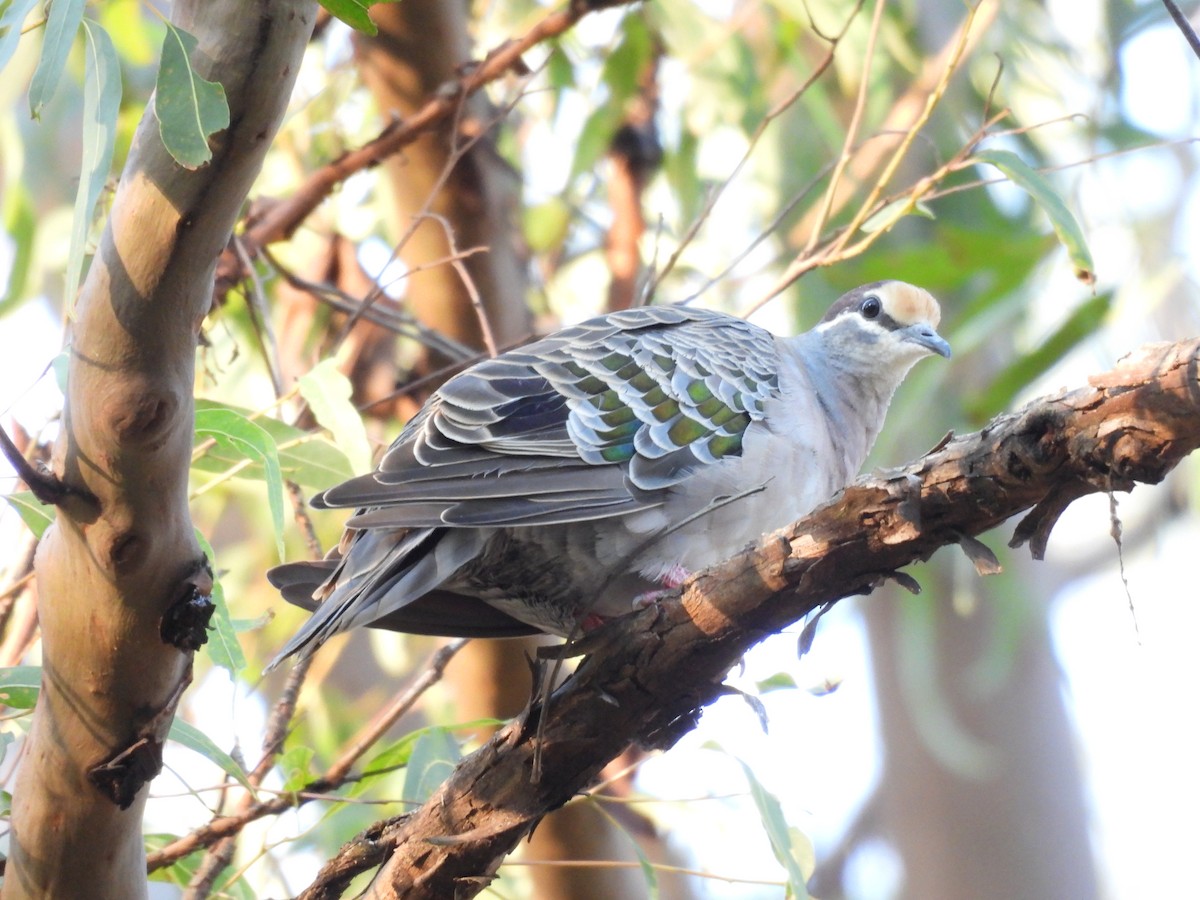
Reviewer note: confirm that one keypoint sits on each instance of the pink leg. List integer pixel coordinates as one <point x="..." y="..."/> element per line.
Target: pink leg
<point x="670" y="580"/>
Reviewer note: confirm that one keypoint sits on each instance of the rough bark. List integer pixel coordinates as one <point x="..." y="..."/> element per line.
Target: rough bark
<point x="1130" y="425"/>
<point x="122" y="553"/>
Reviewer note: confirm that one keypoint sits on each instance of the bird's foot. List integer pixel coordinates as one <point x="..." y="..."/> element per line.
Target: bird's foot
<point x="670" y="581"/>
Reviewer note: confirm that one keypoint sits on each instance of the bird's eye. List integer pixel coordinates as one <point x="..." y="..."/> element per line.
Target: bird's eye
<point x="871" y="307"/>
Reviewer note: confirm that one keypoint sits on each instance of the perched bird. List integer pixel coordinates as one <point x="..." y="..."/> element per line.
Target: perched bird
<point x="549" y="488"/>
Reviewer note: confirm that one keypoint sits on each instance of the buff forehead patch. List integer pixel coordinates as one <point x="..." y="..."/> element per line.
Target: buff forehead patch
<point x="907" y="304"/>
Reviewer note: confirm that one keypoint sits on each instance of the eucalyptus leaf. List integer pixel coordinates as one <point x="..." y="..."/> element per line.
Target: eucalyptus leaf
<point x="793" y="850"/>
<point x="101" y="106"/>
<point x="189" y="108"/>
<point x="434" y="756"/>
<point x="19" y="686"/>
<point x="36" y="515"/>
<point x="193" y="738"/>
<point x="353" y="13"/>
<point x="1064" y="223"/>
<point x="20" y="225"/>
<point x="308" y="459"/>
<point x="328" y="393"/>
<point x="237" y="433"/>
<point x="12" y="16"/>
<point x="222" y="645"/>
<point x="62" y="23"/>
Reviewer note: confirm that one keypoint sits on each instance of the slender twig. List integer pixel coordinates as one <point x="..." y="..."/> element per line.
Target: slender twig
<point x="320" y="788"/>
<point x="773" y="114"/>
<point x="395" y="320"/>
<point x="283" y="219"/>
<point x="860" y="103"/>
<point x="1184" y="26"/>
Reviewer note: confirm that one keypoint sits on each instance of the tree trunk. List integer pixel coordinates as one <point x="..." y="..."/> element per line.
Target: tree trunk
<point x="121" y="555"/>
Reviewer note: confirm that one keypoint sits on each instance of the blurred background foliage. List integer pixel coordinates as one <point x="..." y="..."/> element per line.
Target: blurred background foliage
<point x="947" y="745"/>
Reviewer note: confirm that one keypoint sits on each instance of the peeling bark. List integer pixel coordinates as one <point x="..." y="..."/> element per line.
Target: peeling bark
<point x="122" y="552"/>
<point x="1130" y="425"/>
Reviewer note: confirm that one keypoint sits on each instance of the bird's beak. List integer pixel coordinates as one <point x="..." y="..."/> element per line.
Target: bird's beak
<point x="925" y="336"/>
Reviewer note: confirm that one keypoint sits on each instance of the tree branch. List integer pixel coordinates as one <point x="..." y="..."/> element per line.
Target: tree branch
<point x="1132" y="424"/>
<point x="278" y="221"/>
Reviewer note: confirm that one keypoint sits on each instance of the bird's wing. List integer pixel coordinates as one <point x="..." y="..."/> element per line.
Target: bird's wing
<point x="595" y="421"/>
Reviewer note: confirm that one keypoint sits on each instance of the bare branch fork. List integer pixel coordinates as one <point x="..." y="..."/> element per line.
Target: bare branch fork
<point x="1133" y="424"/>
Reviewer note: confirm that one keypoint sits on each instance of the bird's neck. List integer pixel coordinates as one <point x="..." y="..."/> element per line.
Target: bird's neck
<point x="854" y="390"/>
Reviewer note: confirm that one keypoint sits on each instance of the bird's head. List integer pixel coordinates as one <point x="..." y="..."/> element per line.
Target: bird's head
<point x="886" y="325"/>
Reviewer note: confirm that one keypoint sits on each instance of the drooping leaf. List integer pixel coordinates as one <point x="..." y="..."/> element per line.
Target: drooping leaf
<point x="248" y="440"/>
<point x="101" y="105"/>
<point x="19" y="686"/>
<point x="353" y="13"/>
<point x="12" y="17"/>
<point x="328" y="394"/>
<point x="307" y="459"/>
<point x="793" y="850"/>
<point x="62" y="22"/>
<point x="1043" y="194"/>
<point x="36" y="515"/>
<point x="222" y="645"/>
<point x="194" y="739"/>
<point x="190" y="109"/>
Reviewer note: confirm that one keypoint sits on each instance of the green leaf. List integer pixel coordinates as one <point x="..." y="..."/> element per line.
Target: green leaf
<point x="307" y="459"/>
<point x="1082" y="323"/>
<point x="12" y="17"/>
<point x="194" y="739"/>
<point x="546" y="224"/>
<point x="780" y="681"/>
<point x="241" y="626"/>
<point x="353" y="13"/>
<point x="295" y="765"/>
<point x="433" y="758"/>
<point x="20" y="224"/>
<point x="236" y="433"/>
<point x="190" y="109"/>
<point x="62" y="22"/>
<point x="398" y="755"/>
<point x="101" y="104"/>
<point x="623" y="67"/>
<point x="19" y="686"/>
<point x="595" y="138"/>
<point x="222" y="645"/>
<point x="328" y="394"/>
<point x="1044" y="195"/>
<point x="179" y="872"/>
<point x="793" y="850"/>
<point x="893" y="213"/>
<point x="36" y="515"/>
